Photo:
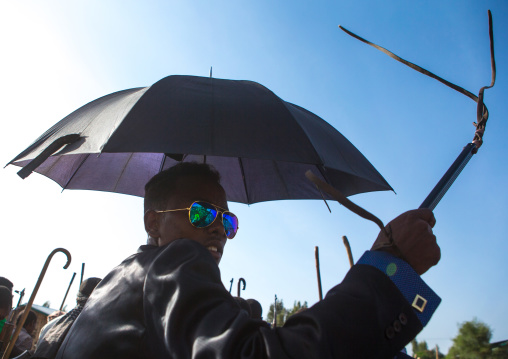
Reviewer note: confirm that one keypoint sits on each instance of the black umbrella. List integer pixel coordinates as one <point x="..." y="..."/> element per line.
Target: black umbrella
<point x="261" y="145"/>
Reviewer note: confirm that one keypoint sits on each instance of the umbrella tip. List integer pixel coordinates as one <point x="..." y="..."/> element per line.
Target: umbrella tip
<point x="210" y="71"/>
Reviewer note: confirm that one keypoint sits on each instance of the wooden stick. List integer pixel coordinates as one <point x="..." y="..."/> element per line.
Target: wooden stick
<point x="67" y="292"/>
<point x="241" y="280"/>
<point x="7" y="352"/>
<point x="274" y="322"/>
<point x="348" y="249"/>
<point x="82" y="273"/>
<point x="316" y="254"/>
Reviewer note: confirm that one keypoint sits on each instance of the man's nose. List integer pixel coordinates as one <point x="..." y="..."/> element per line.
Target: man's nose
<point x="217" y="226"/>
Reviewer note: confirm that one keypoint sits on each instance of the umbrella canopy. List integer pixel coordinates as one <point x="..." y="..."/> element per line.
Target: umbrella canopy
<point x="261" y="145"/>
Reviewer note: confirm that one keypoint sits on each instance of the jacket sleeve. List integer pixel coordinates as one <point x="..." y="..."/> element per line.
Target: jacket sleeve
<point x="422" y="298"/>
<point x="189" y="314"/>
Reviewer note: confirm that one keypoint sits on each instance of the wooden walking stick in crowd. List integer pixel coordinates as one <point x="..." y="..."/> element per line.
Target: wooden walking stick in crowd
<point x="82" y="272"/>
<point x="21" y="295"/>
<point x="274" y="322"/>
<point x="7" y="352"/>
<point x="244" y="284"/>
<point x="67" y="292"/>
<point x="348" y="249"/>
<point x="316" y="254"/>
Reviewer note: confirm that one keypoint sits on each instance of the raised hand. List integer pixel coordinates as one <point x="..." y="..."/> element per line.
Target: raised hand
<point x="413" y="240"/>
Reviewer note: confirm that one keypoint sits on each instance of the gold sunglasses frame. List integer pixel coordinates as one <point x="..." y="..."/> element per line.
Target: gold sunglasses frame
<point x="219" y="210"/>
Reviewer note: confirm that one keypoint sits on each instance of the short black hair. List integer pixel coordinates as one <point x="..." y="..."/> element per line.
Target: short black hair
<point x="255" y="309"/>
<point x="243" y="304"/>
<point x="31" y="318"/>
<point x="6" y="283"/>
<point x="5" y="297"/>
<point x="161" y="186"/>
<point x="86" y="288"/>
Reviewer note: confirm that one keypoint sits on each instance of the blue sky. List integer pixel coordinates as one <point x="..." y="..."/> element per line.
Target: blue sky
<point x="57" y="56"/>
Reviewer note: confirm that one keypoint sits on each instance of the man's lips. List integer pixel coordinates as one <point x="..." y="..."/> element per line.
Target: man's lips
<point x="215" y="249"/>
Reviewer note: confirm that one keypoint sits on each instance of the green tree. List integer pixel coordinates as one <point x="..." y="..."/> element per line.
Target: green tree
<point x="297" y="306"/>
<point x="46" y="304"/>
<point x="421" y="350"/>
<point x="472" y="342"/>
<point x="281" y="313"/>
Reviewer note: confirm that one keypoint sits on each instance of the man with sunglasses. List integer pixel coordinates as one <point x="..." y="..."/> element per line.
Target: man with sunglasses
<point x="168" y="301"/>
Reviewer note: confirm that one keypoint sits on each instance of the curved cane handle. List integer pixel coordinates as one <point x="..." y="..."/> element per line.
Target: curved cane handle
<point x="32" y="297"/>
<point x="244" y="284"/>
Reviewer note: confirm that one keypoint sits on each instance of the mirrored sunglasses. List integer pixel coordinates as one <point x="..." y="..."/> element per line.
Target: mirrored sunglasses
<point x="203" y="214"/>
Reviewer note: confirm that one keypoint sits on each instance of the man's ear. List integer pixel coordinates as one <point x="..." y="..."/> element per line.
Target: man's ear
<point x="152" y="223"/>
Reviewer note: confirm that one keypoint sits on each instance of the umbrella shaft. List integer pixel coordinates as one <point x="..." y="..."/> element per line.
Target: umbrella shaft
<point x="449" y="177"/>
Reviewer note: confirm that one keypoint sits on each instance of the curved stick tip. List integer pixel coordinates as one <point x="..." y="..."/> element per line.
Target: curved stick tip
<point x="67" y="253"/>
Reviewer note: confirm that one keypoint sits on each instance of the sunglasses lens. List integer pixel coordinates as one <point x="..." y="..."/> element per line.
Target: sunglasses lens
<point x="202" y="214"/>
<point x="230" y="222"/>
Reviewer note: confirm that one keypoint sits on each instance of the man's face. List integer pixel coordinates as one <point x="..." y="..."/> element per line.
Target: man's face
<point x="31" y="327"/>
<point x="176" y="225"/>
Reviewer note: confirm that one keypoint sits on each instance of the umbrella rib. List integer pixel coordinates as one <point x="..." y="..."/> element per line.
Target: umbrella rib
<point x="163" y="162"/>
<point x="54" y="163"/>
<point x="136" y="90"/>
<point x="302" y="128"/>
<point x="351" y="168"/>
<point x="74" y="173"/>
<point x="322" y="170"/>
<point x="123" y="170"/>
<point x="243" y="178"/>
<point x="37" y="143"/>
<point x="338" y="148"/>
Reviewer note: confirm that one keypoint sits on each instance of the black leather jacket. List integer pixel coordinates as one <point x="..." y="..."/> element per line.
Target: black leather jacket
<point x="169" y="302"/>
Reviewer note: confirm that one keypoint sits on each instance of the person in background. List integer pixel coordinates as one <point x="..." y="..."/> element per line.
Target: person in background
<point x="256" y="312"/>
<point x="4" y="282"/>
<point x="5" y="309"/>
<point x="243" y="304"/>
<point x="53" y="334"/>
<point x="5" y="304"/>
<point x="54" y="315"/>
<point x="25" y="339"/>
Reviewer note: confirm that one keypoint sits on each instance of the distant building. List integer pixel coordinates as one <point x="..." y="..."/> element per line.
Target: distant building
<point x="500" y="347"/>
<point x="42" y="314"/>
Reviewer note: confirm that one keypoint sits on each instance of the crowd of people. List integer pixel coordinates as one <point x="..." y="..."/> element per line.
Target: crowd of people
<point x="50" y="336"/>
<point x="168" y="300"/>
